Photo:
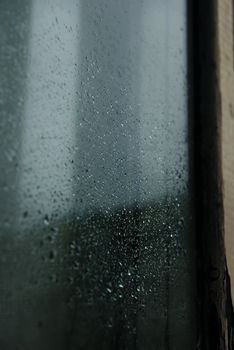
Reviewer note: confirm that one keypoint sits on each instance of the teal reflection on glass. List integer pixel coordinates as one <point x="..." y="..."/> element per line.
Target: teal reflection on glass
<point x="97" y="241"/>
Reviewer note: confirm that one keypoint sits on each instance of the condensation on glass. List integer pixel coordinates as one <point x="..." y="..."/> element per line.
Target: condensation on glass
<point x="96" y="223"/>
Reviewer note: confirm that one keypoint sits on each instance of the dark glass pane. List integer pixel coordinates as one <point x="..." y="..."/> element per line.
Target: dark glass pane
<point x="95" y="213"/>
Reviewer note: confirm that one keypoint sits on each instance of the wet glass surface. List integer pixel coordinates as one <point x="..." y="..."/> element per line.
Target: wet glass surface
<point x="96" y="225"/>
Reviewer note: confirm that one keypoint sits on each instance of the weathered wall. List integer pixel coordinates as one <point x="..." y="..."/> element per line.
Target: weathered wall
<point x="226" y="45"/>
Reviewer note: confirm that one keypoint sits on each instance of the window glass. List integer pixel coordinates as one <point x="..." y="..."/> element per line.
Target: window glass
<point x="96" y="220"/>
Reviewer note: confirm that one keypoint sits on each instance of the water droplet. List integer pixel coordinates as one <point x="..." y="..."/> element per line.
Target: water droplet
<point x="46" y="220"/>
<point x="25" y="214"/>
